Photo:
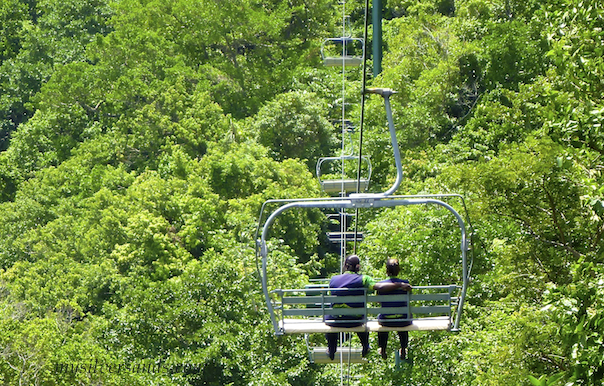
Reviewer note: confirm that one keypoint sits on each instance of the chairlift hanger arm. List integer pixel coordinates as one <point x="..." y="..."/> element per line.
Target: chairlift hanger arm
<point x="383" y="92"/>
<point x="386" y="93"/>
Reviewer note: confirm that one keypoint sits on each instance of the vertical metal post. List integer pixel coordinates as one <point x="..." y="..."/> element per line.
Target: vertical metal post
<point x="395" y="149"/>
<point x="377" y="37"/>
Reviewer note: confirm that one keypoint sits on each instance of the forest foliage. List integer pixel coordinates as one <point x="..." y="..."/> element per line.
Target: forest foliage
<point x="140" y="138"/>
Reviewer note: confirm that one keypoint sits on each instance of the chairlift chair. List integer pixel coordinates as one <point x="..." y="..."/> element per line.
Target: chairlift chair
<point x="344" y="185"/>
<point x="342" y="51"/>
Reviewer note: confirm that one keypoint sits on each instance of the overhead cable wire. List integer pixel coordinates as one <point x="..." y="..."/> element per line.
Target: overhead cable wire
<point x="361" y="124"/>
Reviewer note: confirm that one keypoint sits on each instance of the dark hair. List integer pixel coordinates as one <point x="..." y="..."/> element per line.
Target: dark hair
<point x="392" y="267"/>
<point x="351" y="264"/>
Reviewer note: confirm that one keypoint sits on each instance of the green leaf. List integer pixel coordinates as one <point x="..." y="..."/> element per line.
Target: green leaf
<point x="541" y="381"/>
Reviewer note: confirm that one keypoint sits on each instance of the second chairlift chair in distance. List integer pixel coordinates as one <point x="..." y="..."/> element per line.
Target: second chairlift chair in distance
<point x="343" y="51"/>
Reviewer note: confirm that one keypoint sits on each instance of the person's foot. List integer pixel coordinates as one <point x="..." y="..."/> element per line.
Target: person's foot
<point x="330" y="354"/>
<point x="382" y="351"/>
<point x="403" y="354"/>
<point x="365" y="351"/>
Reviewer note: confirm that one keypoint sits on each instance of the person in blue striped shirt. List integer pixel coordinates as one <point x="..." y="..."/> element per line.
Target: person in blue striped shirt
<point x="394" y="320"/>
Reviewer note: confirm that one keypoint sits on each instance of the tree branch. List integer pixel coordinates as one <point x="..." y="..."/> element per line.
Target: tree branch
<point x="598" y="237"/>
<point x="537" y="237"/>
<point x="554" y="214"/>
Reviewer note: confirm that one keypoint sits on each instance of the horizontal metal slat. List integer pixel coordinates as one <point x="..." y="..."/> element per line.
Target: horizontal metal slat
<point x="415" y="311"/>
<point x="430" y="310"/>
<point x="328" y="299"/>
<point x="323" y="311"/>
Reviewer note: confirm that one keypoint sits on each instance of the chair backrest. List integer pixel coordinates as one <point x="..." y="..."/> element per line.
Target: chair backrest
<point x="307" y="303"/>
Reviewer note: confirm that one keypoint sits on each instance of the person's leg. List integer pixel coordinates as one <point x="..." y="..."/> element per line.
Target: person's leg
<point x="403" y="336"/>
<point x="382" y="343"/>
<point x="364" y="337"/>
<point x="332" y="344"/>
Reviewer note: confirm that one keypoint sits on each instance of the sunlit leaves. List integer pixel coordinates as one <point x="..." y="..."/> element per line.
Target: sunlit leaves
<point x="578" y="310"/>
<point x="426" y="66"/>
<point x="293" y="126"/>
<point x="49" y="33"/>
<point x="425" y="240"/>
<point x="12" y="14"/>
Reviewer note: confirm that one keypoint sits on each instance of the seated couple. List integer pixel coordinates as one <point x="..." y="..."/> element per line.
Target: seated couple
<point x="352" y="279"/>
